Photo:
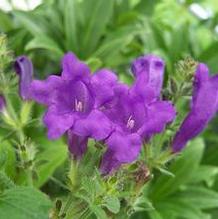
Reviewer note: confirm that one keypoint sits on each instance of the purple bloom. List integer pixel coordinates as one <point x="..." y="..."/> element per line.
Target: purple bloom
<point x="103" y="82"/>
<point x="149" y="71"/>
<point x="24" y="68"/>
<point x="77" y="144"/>
<point x="204" y="106"/>
<point x="72" y="105"/>
<point x="2" y="103"/>
<point x="136" y="115"/>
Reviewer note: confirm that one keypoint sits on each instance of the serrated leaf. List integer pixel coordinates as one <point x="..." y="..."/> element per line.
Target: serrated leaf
<point x="5" y="182"/>
<point x="24" y="203"/>
<point x="89" y="186"/>
<point x="7" y="155"/>
<point x="112" y="203"/>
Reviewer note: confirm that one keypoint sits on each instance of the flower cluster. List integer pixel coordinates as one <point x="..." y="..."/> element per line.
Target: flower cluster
<point x="99" y="106"/>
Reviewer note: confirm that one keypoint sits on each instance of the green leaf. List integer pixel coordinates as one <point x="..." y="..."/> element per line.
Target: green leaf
<point x="205" y="173"/>
<point x="29" y="22"/>
<point x="116" y="40"/>
<point x="44" y="42"/>
<point x="147" y="7"/>
<point x="175" y="208"/>
<point x="70" y="23"/>
<point x="202" y="197"/>
<point x="5" y="22"/>
<point x="89" y="186"/>
<point x="94" y="64"/>
<point x="155" y="215"/>
<point x="24" y="203"/>
<point x="99" y="212"/>
<point x="188" y="203"/>
<point x="55" y="154"/>
<point x="142" y="204"/>
<point x="112" y="203"/>
<point x="5" y="181"/>
<point x="183" y="169"/>
<point x="8" y="159"/>
<point x="98" y="14"/>
<point x="25" y="112"/>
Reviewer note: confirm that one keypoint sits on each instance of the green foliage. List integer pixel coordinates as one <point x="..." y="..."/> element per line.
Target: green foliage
<point x="181" y="170"/>
<point x="24" y="203"/>
<point x="112" y="203"/>
<point x="107" y="33"/>
<point x="53" y="156"/>
<point x="5" y="182"/>
<point x="8" y="159"/>
<point x="184" y="195"/>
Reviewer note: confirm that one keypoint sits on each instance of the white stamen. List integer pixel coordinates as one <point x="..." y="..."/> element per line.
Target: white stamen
<point x="130" y="123"/>
<point x="78" y="106"/>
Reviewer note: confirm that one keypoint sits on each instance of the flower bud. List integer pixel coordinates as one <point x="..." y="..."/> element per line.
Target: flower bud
<point x="24" y="68"/>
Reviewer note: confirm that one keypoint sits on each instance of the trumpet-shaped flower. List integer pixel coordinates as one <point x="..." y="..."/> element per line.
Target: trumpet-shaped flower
<point x="24" y="68"/>
<point x="204" y="106"/>
<point x="72" y="105"/>
<point x="136" y="112"/>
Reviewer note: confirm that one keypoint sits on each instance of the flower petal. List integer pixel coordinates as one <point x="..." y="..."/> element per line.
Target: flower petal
<point x="122" y="148"/>
<point x="57" y="124"/>
<point x="103" y="82"/>
<point x="95" y="125"/>
<point x="204" y="108"/>
<point x="201" y="76"/>
<point x="149" y="71"/>
<point x="141" y="92"/>
<point x="159" y="114"/>
<point x="24" y="68"/>
<point x="77" y="144"/>
<point x="42" y="91"/>
<point x="73" y="68"/>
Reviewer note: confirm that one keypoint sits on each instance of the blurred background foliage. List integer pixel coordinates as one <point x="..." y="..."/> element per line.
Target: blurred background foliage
<point x="112" y="33"/>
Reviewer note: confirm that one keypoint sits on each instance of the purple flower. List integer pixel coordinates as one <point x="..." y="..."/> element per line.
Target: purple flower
<point x="103" y="82"/>
<point x="77" y="144"/>
<point x="2" y="103"/>
<point x="72" y="105"/>
<point x="24" y="68"/>
<point x="204" y="106"/>
<point x="136" y="115"/>
<point x="149" y="71"/>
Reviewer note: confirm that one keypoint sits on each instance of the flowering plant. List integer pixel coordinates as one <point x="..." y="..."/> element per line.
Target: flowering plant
<point x="111" y="129"/>
<point x="118" y="135"/>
